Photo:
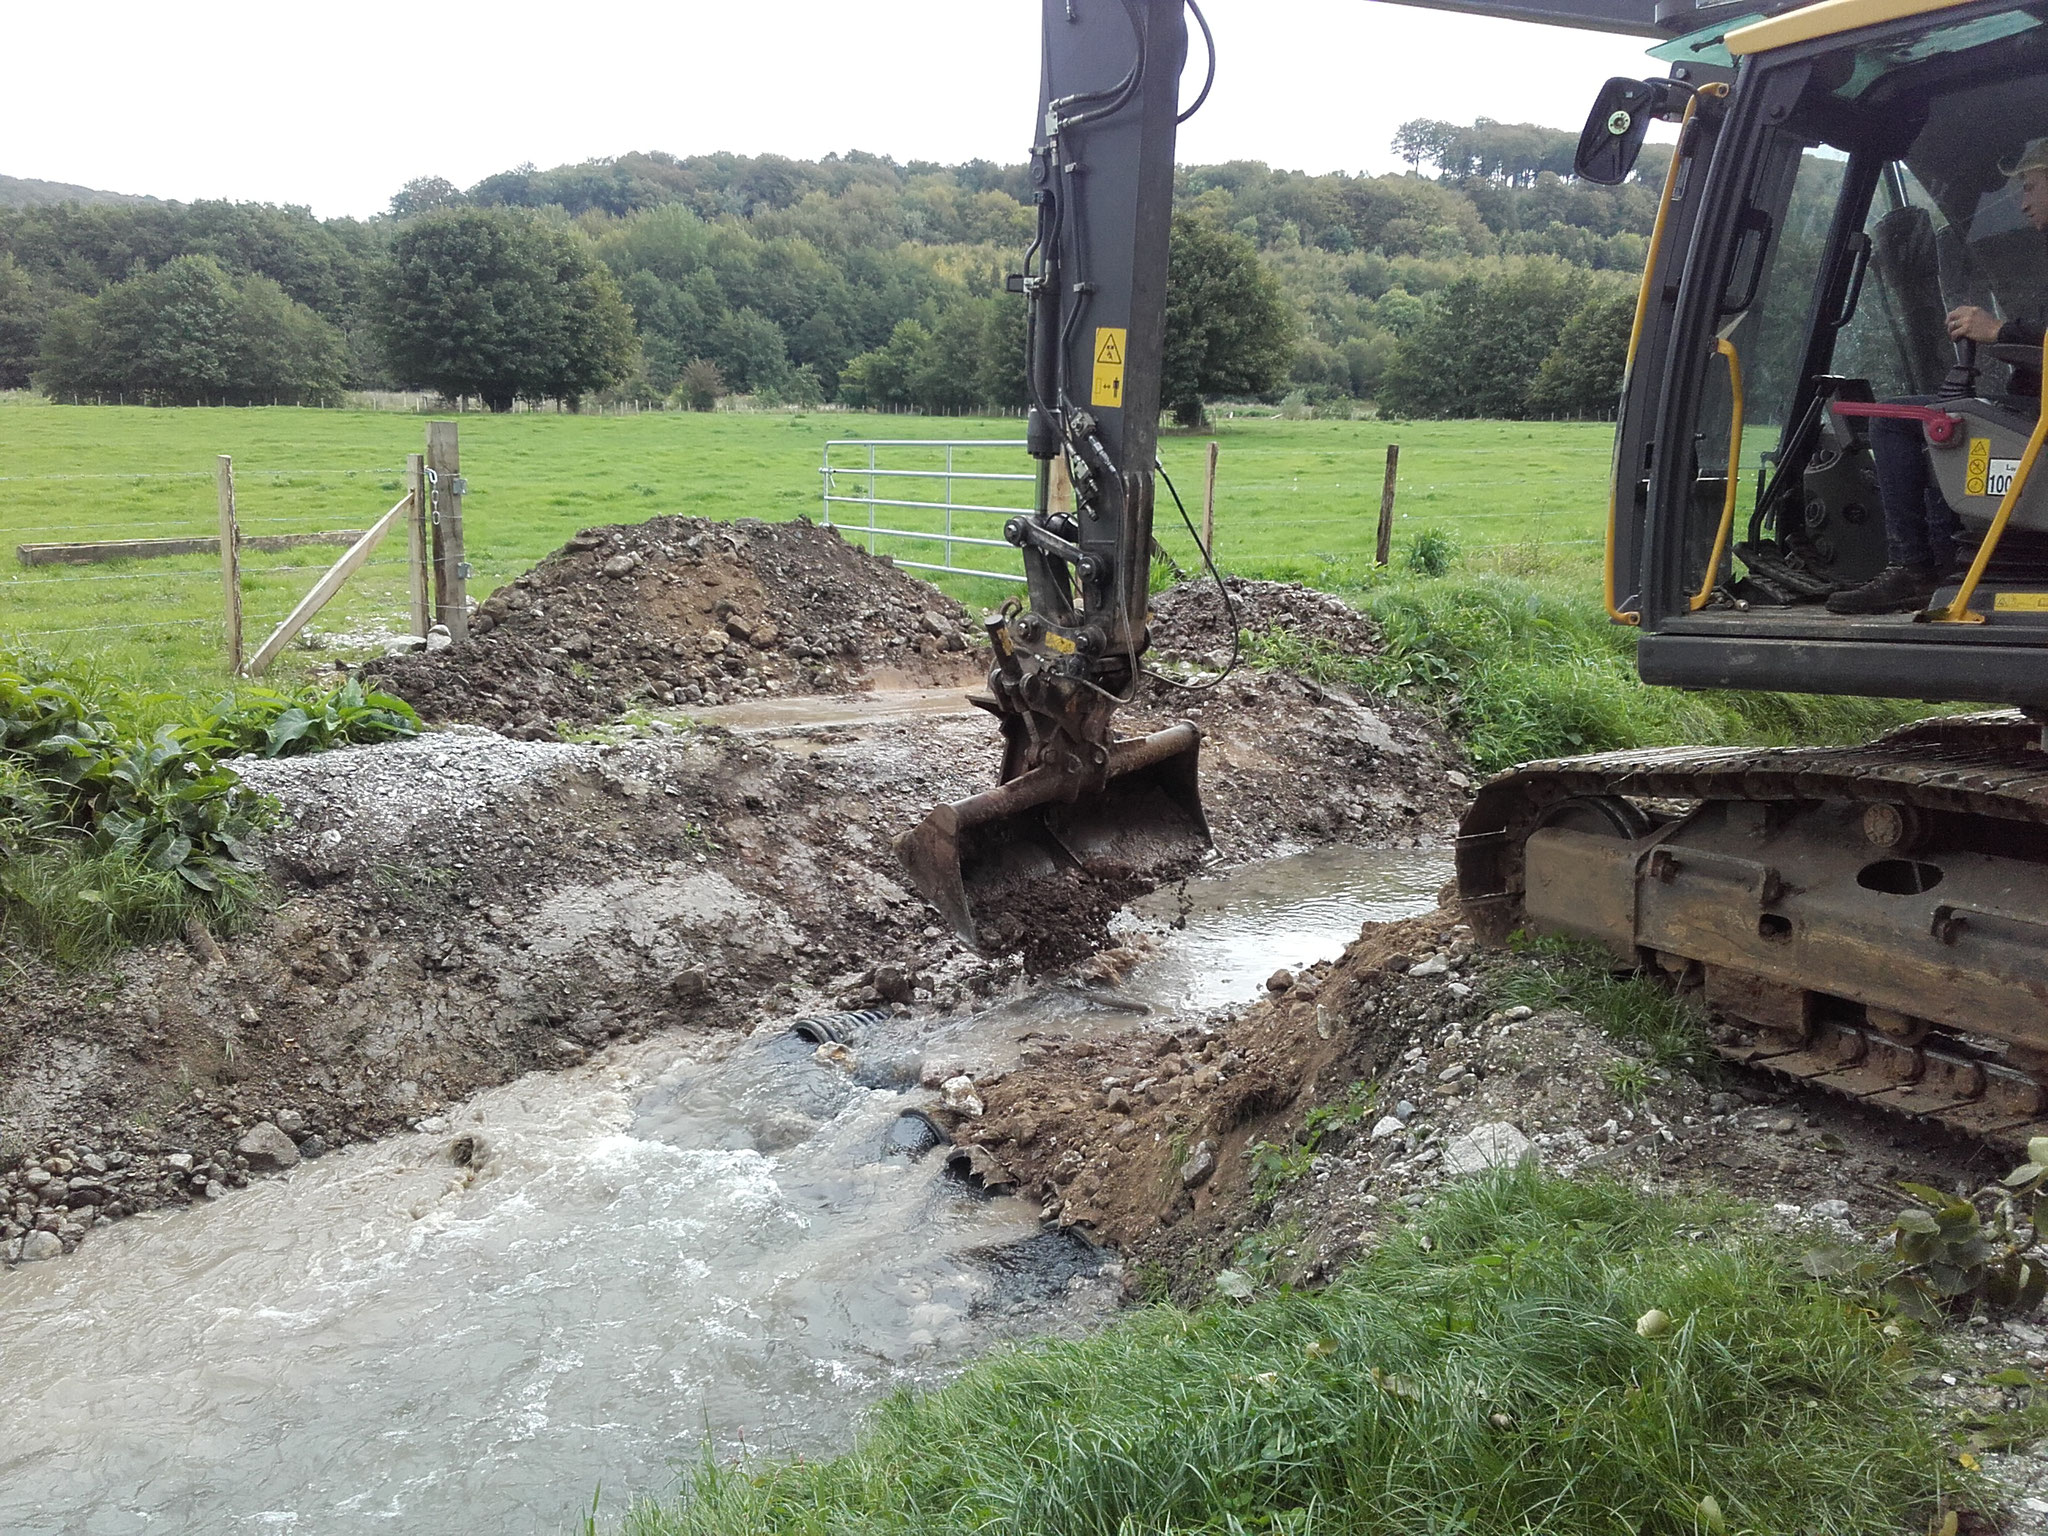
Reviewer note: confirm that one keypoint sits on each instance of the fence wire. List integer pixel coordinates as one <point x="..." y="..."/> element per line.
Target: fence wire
<point x="65" y="607"/>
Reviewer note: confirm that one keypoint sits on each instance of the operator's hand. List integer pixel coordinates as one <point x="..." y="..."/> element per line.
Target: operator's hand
<point x="1969" y="323"/>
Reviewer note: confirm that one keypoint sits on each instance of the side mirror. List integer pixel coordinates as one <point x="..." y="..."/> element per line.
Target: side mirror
<point x="1613" y="135"/>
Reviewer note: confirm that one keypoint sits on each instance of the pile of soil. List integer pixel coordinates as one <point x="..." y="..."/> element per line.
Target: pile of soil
<point x="1187" y="1145"/>
<point x="1192" y="623"/>
<point x="685" y="611"/>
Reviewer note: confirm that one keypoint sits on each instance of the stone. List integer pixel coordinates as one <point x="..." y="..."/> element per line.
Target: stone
<point x="1279" y="981"/>
<point x="1494" y="1144"/>
<point x="1829" y="1210"/>
<point x="1453" y="1072"/>
<point x="36" y="1178"/>
<point x="958" y="1095"/>
<point x="438" y="638"/>
<point x="619" y="565"/>
<point x="179" y="1162"/>
<point x="267" y="1147"/>
<point x="1520" y="1012"/>
<point x="1435" y="965"/>
<point x="38" y="1246"/>
<point x="1404" y="1111"/>
<point x="894" y="983"/>
<point x="1200" y="1164"/>
<point x="690" y="983"/>
<point x="1387" y="1125"/>
<point x="291" y="1122"/>
<point x="85" y="1191"/>
<point x="312" y="1147"/>
<point x="935" y="1071"/>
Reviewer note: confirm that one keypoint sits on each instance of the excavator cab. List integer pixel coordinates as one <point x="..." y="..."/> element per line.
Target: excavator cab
<point x="1833" y="195"/>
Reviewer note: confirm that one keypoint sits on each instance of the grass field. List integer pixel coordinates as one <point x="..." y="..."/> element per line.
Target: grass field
<point x="1292" y="495"/>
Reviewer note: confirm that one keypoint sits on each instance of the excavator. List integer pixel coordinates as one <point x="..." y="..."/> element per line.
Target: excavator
<point x="1872" y="920"/>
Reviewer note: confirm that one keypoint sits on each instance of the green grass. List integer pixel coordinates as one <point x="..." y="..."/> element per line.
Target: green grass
<point x="1480" y="1373"/>
<point x="1508" y="643"/>
<point x="1633" y="1009"/>
<point x="1287" y="490"/>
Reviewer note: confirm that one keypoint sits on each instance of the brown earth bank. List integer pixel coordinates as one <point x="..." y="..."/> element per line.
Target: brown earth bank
<point x="1279" y="1141"/>
<point x="464" y="907"/>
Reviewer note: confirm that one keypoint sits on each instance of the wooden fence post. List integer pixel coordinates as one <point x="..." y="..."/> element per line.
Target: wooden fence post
<point x="1385" y="549"/>
<point x="417" y="548"/>
<point x="1209" y="508"/>
<point x="231" y="562"/>
<point x="451" y="572"/>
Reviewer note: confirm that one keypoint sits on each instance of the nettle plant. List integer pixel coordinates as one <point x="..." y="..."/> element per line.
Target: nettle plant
<point x="1959" y="1253"/>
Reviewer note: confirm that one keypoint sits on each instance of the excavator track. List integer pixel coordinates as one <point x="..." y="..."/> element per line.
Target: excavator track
<point x="1869" y="920"/>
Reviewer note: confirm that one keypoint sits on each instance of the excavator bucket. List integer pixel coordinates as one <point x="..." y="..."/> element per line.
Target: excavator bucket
<point x="1000" y="856"/>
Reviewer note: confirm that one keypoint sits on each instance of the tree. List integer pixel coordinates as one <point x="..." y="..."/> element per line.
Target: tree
<point x="1423" y="138"/>
<point x="1581" y="376"/>
<point x="24" y="311"/>
<point x="1229" y="328"/>
<point x="701" y="384"/>
<point x="424" y="194"/>
<point x="503" y="305"/>
<point x="189" y="334"/>
<point x="1478" y="351"/>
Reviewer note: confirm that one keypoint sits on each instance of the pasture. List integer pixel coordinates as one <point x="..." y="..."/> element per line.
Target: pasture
<point x="1295" y="498"/>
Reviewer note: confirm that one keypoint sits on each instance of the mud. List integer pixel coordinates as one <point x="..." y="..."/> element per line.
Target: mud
<point x="684" y="611"/>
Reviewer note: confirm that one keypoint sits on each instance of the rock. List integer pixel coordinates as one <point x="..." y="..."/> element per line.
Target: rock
<point x="266" y="1147"/>
<point x="180" y="1162"/>
<point x="1494" y="1144"/>
<point x="38" y="1246"/>
<point x="1435" y="965"/>
<point x="438" y="638"/>
<point x="619" y="565"/>
<point x="291" y="1122"/>
<point x="215" y="1189"/>
<point x="1388" y="1125"/>
<point x="312" y="1147"/>
<point x="1453" y="1072"/>
<point x="1829" y="1210"/>
<point x="1520" y="1012"/>
<point x="1404" y="1111"/>
<point x="935" y="1071"/>
<point x="1118" y="1102"/>
<point x="894" y="983"/>
<point x="689" y="984"/>
<point x="958" y="1095"/>
<point x="1279" y="981"/>
<point x="36" y="1178"/>
<point x="1200" y="1164"/>
<point x="85" y="1191"/>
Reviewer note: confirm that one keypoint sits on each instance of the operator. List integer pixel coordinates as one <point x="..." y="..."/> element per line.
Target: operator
<point x="1919" y="525"/>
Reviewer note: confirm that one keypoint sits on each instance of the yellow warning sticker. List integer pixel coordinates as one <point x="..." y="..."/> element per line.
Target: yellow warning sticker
<point x="2021" y="602"/>
<point x="1109" y="366"/>
<point x="1979" y="468"/>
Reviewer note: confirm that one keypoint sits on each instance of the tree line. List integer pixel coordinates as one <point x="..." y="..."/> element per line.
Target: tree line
<point x="853" y="278"/>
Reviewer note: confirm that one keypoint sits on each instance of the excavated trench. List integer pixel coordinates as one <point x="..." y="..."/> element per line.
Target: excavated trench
<point x="581" y="1277"/>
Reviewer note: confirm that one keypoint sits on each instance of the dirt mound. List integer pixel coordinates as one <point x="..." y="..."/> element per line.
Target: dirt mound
<point x="683" y="611"/>
<point x="1191" y="623"/>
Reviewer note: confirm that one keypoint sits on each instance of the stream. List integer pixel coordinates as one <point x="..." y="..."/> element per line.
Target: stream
<point x="582" y="1278"/>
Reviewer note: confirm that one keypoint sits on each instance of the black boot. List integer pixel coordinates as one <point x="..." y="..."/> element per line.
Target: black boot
<point x="1895" y="589"/>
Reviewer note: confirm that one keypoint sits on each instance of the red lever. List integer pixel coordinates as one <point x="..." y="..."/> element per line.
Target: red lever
<point x="1939" y="425"/>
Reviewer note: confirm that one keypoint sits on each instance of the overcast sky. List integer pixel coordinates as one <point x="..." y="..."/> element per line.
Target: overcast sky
<point x="337" y="106"/>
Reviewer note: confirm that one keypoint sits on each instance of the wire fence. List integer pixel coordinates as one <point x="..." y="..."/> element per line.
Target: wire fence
<point x="77" y="574"/>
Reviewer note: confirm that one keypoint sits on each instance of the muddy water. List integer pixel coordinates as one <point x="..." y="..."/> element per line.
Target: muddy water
<point x="579" y="1277"/>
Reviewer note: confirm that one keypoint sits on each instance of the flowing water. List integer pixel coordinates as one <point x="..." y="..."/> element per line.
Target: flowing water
<point x="583" y="1277"/>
